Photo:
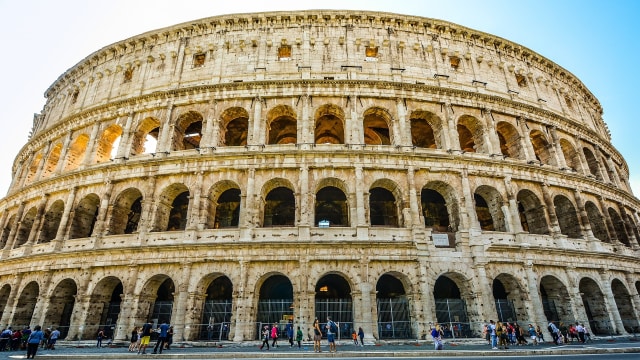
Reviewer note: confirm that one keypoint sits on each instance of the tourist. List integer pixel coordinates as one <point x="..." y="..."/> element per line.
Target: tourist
<point x="34" y="340"/>
<point x="317" y="336"/>
<point x="299" y="336"/>
<point x="274" y="335"/>
<point x="361" y="336"/>
<point x="162" y="337"/>
<point x="332" y="330"/>
<point x="146" y="338"/>
<point x="265" y="337"/>
<point x="53" y="337"/>
<point x="134" y="339"/>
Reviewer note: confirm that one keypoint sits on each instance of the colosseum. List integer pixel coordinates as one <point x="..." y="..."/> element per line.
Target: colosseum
<point x="389" y="171"/>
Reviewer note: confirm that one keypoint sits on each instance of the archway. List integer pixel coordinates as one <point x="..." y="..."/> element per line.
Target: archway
<point x="163" y="305"/>
<point x="618" y="226"/>
<point x="332" y="206"/>
<point x="471" y="134"/>
<point x="532" y="215"/>
<point x="282" y="126"/>
<point x="227" y="209"/>
<point x="172" y="208"/>
<point x="25" y="226"/>
<point x="555" y="300"/>
<point x="394" y="317"/>
<point x="26" y="304"/>
<point x="567" y="217"/>
<point x="235" y="125"/>
<point x="217" y="310"/>
<point x="333" y="299"/>
<point x="624" y="304"/>
<point x="106" y="143"/>
<point x="383" y="210"/>
<point x="595" y="307"/>
<point x="596" y="220"/>
<point x="592" y="163"/>
<point x="509" y="137"/>
<point x="488" y="202"/>
<point x="275" y="304"/>
<point x="85" y="216"/>
<point x="60" y="307"/>
<point x="126" y="213"/>
<point x="76" y="152"/>
<point x="570" y="155"/>
<point x="105" y="307"/>
<point x="426" y="129"/>
<point x="5" y="291"/>
<point x="439" y="207"/>
<point x="451" y="309"/>
<point x="279" y="207"/>
<point x="145" y="138"/>
<point x="329" y="125"/>
<point x="51" y="222"/>
<point x="375" y="125"/>
<point x="509" y="298"/>
<point x="541" y="147"/>
<point x="188" y="131"/>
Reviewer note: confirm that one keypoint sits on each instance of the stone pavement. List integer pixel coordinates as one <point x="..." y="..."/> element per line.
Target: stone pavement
<point x="407" y="349"/>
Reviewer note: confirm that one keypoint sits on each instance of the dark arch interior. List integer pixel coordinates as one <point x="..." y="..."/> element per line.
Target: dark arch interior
<point x="276" y="287"/>
<point x="446" y="288"/>
<point x="333" y="286"/>
<point x="389" y="286"/>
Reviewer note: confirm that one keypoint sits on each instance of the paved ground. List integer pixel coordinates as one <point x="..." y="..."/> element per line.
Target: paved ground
<point x="473" y="347"/>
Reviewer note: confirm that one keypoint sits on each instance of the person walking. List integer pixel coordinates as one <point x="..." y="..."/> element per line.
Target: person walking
<point x="299" y="336"/>
<point x="265" y="337"/>
<point x="162" y="337"/>
<point x="134" y="339"/>
<point x="361" y="335"/>
<point x="332" y="330"/>
<point x="146" y="338"/>
<point x="99" y="338"/>
<point x="34" y="340"/>
<point x="274" y="335"/>
<point x="55" y="334"/>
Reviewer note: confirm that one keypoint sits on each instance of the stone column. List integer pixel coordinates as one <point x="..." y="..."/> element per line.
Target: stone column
<point x="127" y="318"/>
<point x="633" y="241"/>
<point x="562" y="163"/>
<point x="306" y="123"/>
<point x="243" y="309"/>
<point x="610" y="304"/>
<point x="451" y="135"/>
<point x="583" y="159"/>
<point x="104" y="214"/>
<point x="305" y="296"/>
<point x="45" y="156"/>
<point x="148" y="211"/>
<point x="193" y="209"/>
<point x="511" y="210"/>
<point x="125" y="138"/>
<point x="587" y="232"/>
<point x="166" y="130"/>
<point x="525" y="142"/>
<point x="81" y="307"/>
<point x="65" y="222"/>
<point x="485" y="303"/>
<point x="404" y="125"/>
<point x="37" y="223"/>
<point x="14" y="228"/>
<point x="63" y="153"/>
<point x="248" y="218"/>
<point x="305" y="209"/>
<point x="367" y="298"/>
<point x="179" y="315"/>
<point x="634" y="298"/>
<point x="533" y="302"/>
<point x="44" y="300"/>
<point x="91" y="146"/>
<point x="551" y="211"/>
<point x="607" y="220"/>
<point x="358" y="207"/>
<point x="210" y="128"/>
<point x="470" y="222"/>
<point x="616" y="177"/>
<point x="491" y="135"/>
<point x="12" y="301"/>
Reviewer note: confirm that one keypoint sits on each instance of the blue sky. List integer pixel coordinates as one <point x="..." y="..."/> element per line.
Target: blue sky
<point x="595" y="40"/>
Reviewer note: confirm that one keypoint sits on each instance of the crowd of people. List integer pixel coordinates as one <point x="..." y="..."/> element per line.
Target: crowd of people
<point x="501" y="335"/>
<point x="27" y="339"/>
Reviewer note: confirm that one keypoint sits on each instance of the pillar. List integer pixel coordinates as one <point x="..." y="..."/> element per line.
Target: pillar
<point x="179" y="315"/>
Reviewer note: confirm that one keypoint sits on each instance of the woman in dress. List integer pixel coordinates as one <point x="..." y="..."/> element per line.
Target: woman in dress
<point x="317" y="336"/>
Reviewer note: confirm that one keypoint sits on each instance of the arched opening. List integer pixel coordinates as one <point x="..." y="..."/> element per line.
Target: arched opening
<point x="541" y="147"/>
<point x="172" y="208"/>
<point x="592" y="163"/>
<point x="596" y="220"/>
<point x="217" y="310"/>
<point x="608" y="173"/>
<point x="624" y="304"/>
<point x="275" y="303"/>
<point x="105" y="144"/>
<point x="567" y="217"/>
<point x="227" y="209"/>
<point x="33" y="168"/>
<point x="279" y="208"/>
<point x="383" y="210"/>
<point x="188" y="131"/>
<point x="51" y="222"/>
<point x="60" y="307"/>
<point x="375" y="125"/>
<point x="439" y="207"/>
<point x="329" y="125"/>
<point x="618" y="226"/>
<point x="235" y="125"/>
<point x="26" y="304"/>
<point x="126" y="213"/>
<point x="554" y="300"/>
<point x="145" y="138"/>
<point x="426" y="129"/>
<point x="105" y="307"/>
<point x="332" y="206"/>
<point x="471" y="134"/>
<point x="85" y="216"/>
<point x="394" y="316"/>
<point x="333" y="299"/>
<point x="6" y="231"/>
<point x="76" y="152"/>
<point x="489" y="205"/>
<point x="570" y="155"/>
<point x="509" y="139"/>
<point x="163" y="305"/>
<point x="532" y="215"/>
<point x="52" y="161"/>
<point x="509" y="298"/>
<point x="178" y="213"/>
<point x="24" y="228"/>
<point x="283" y="128"/>
<point x="451" y="309"/>
<point x="595" y="307"/>
<point x="5" y="291"/>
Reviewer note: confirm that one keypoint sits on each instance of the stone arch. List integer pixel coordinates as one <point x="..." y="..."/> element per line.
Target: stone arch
<point x="60" y="309"/>
<point x="451" y="294"/>
<point x="275" y="301"/>
<point x="624" y="305"/>
<point x="51" y="222"/>
<point x="25" y="226"/>
<point x="158" y="293"/>
<point x="532" y="215"/>
<point x="333" y="299"/>
<point x="282" y="125"/>
<point x="145" y="138"/>
<point x="224" y="206"/>
<point x="106" y="143"/>
<point x="592" y="163"/>
<point x="376" y="125"/>
<point x="104" y="311"/>
<point x="172" y="208"/>
<point x="5" y="291"/>
<point x="596" y="220"/>
<point x="279" y="207"/>
<point x="85" y="216"/>
<point x="440" y="207"/>
<point x="555" y="300"/>
<point x="509" y="137"/>
<point x="618" y="226"/>
<point x="608" y="173"/>
<point x="217" y="307"/>
<point x="541" y="147"/>
<point x="22" y="315"/>
<point x="329" y="125"/>
<point x="394" y="315"/>
<point x="33" y="168"/>
<point x="76" y="152"/>
<point x="567" y="217"/>
<point x="52" y="161"/>
<point x="126" y="213"/>
<point x="332" y="205"/>
<point x="509" y="298"/>
<point x="489" y="203"/>
<point x="471" y="134"/>
<point x="426" y="129"/>
<point x="6" y="231"/>
<point x="383" y="207"/>
<point x="234" y="127"/>
<point x="570" y="154"/>
<point x="595" y="307"/>
<point x="187" y="131"/>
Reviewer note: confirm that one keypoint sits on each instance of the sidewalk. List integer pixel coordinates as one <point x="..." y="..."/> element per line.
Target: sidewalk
<point x="407" y="349"/>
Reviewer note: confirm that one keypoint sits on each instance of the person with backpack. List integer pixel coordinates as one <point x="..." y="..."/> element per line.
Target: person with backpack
<point x="265" y="337"/>
<point x="332" y="330"/>
<point x="554" y="331"/>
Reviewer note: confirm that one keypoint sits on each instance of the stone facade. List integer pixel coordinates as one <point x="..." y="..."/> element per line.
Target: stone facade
<point x="390" y="171"/>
